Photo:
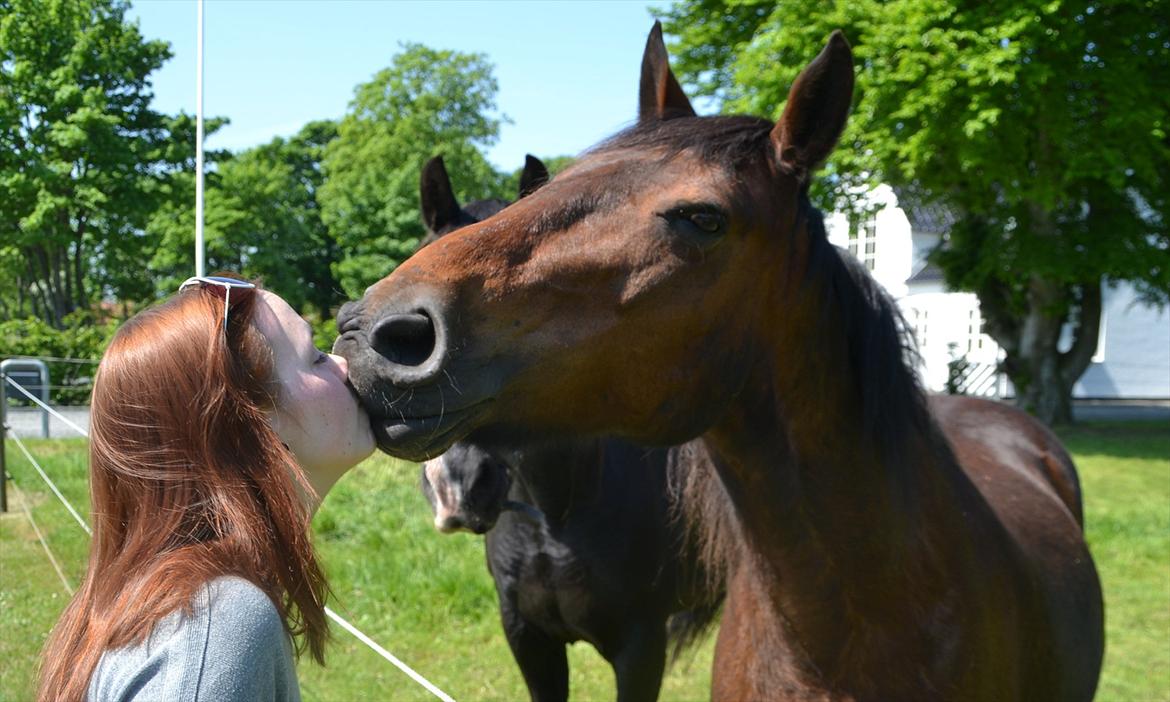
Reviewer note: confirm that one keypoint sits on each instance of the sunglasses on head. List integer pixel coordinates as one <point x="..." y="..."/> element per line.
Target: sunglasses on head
<point x="226" y="283"/>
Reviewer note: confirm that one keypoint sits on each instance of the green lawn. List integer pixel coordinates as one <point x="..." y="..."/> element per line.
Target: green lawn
<point x="429" y="600"/>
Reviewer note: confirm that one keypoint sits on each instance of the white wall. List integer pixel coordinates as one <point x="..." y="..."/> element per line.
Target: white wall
<point x="939" y="319"/>
<point x="894" y="245"/>
<point x="1133" y="352"/>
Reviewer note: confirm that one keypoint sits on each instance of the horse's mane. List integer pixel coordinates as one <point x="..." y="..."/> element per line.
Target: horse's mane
<point x="710" y="532"/>
<point x="731" y="141"/>
<point x="880" y="348"/>
<point x="880" y="354"/>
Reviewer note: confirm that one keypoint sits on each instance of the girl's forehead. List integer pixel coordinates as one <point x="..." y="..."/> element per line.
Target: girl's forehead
<point x="285" y="330"/>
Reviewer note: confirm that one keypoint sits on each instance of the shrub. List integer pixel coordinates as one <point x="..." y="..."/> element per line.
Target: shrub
<point x="82" y="338"/>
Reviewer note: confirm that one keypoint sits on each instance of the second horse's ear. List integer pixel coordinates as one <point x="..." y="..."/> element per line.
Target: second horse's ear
<point x="534" y="175"/>
<point x="817" y="107"/>
<point x="439" y="206"/>
<point x="659" y="94"/>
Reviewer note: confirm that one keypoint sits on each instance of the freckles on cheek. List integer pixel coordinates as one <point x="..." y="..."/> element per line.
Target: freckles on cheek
<point x="332" y="406"/>
<point x="305" y="400"/>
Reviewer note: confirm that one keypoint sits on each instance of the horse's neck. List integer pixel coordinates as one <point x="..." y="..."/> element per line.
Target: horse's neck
<point x="826" y="534"/>
<point x="556" y="476"/>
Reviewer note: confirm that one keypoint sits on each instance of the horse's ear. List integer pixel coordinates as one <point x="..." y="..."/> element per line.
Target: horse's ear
<point x="659" y="94"/>
<point x="439" y="206"/>
<point x="534" y="175"/>
<point x="817" y="107"/>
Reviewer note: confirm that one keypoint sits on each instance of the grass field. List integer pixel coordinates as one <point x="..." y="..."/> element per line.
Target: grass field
<point x="428" y="597"/>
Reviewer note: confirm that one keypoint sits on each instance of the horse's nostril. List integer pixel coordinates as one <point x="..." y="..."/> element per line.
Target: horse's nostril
<point x="448" y="524"/>
<point x="405" y="339"/>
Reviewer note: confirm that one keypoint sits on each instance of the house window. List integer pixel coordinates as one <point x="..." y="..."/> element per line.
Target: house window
<point x="863" y="242"/>
<point x="975" y="335"/>
<point x="978" y="339"/>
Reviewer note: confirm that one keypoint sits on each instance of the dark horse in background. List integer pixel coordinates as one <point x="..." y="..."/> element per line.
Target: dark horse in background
<point x="441" y="211"/>
<point x="676" y="282"/>
<point x="585" y="538"/>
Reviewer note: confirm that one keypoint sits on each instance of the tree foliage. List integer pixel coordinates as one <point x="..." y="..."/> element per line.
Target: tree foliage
<point x="1041" y="126"/>
<point x="80" y="336"/>
<point x="427" y="102"/>
<point x="84" y="160"/>
<point x="97" y="188"/>
<point x="261" y="219"/>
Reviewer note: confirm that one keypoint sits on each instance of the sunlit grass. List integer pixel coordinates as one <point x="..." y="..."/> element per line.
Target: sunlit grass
<point x="1125" y="476"/>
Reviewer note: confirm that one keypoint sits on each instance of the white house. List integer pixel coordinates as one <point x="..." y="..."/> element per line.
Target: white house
<point x="1133" y="352"/>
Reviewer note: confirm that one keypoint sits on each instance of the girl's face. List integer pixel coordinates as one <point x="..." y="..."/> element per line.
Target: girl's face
<point x="317" y="415"/>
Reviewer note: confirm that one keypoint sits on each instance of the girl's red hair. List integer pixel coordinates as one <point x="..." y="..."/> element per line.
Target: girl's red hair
<point x="188" y="482"/>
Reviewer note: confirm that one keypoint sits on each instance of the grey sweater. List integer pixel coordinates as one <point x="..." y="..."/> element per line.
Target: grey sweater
<point x="232" y="648"/>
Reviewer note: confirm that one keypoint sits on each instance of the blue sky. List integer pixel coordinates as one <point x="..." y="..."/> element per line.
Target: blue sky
<point x="567" y="71"/>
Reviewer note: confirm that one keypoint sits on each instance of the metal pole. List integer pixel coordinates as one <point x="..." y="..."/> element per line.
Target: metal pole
<point x="199" y="146"/>
<point x="3" y="438"/>
<point x="45" y="398"/>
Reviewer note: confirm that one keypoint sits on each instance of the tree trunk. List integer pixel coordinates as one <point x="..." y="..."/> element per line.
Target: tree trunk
<point x="1047" y="309"/>
<point x="42" y="302"/>
<point x="60" y="265"/>
<point x="79" y="264"/>
<point x="45" y="262"/>
<point x="19" y="296"/>
<point x="1086" y="335"/>
<point x="1046" y="394"/>
<point x="1044" y="376"/>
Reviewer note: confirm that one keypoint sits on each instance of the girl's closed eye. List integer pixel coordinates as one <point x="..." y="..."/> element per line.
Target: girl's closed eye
<point x="321" y="358"/>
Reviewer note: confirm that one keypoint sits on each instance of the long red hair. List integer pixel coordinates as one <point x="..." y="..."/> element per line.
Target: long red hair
<point x="188" y="482"/>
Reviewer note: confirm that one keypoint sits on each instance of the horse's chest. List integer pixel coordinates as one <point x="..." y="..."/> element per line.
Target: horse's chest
<point x="557" y="594"/>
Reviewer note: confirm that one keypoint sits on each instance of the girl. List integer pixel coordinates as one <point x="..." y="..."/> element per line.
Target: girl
<point x="216" y="428"/>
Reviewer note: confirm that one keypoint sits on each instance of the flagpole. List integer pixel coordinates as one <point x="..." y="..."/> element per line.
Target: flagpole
<point x="199" y="146"/>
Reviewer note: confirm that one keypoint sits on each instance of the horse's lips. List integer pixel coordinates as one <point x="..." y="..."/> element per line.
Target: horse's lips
<point x="422" y="438"/>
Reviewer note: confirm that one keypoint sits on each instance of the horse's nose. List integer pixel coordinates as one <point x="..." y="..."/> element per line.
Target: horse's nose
<point x="413" y="344"/>
<point x="448" y="523"/>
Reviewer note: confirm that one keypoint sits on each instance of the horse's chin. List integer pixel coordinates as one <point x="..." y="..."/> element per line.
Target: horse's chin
<point x="422" y="438"/>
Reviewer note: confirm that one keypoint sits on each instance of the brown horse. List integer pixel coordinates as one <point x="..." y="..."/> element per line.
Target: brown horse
<point x="586" y="539"/>
<point x="676" y="282"/>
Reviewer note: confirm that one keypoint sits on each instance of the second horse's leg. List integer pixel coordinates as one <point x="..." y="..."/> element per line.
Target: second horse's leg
<point x="541" y="658"/>
<point x="639" y="661"/>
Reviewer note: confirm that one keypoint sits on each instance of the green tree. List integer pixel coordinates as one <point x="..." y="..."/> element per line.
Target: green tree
<point x="1041" y="126"/>
<point x="83" y="157"/>
<point x="80" y="336"/>
<point x="261" y="219"/>
<point x="289" y="244"/>
<point x="427" y="102"/>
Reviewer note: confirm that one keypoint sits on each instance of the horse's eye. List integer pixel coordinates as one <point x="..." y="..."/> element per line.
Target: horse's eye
<point x="709" y="222"/>
<point x="699" y="224"/>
